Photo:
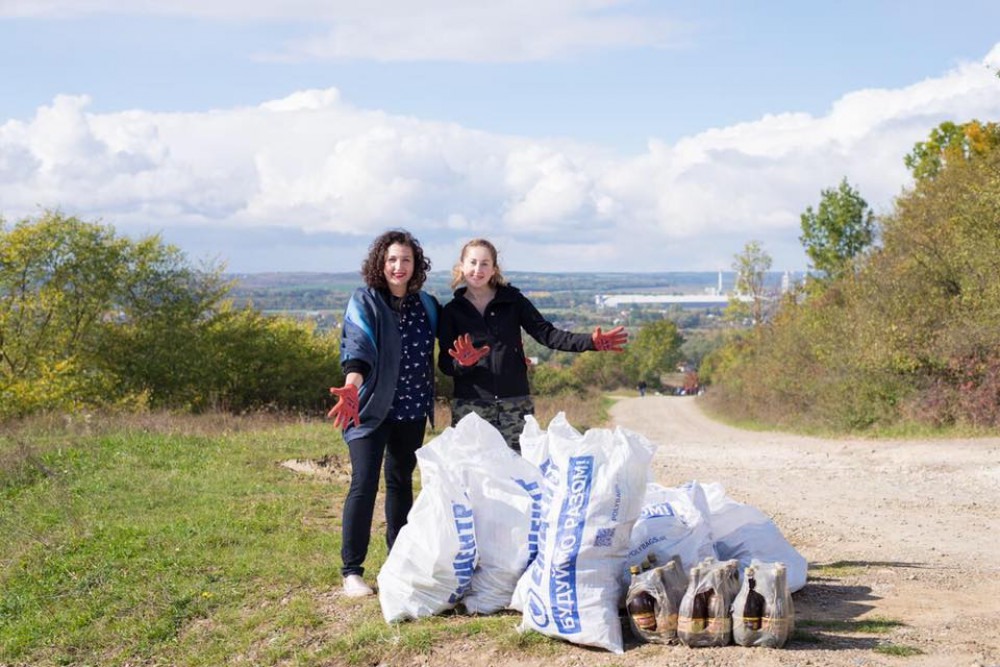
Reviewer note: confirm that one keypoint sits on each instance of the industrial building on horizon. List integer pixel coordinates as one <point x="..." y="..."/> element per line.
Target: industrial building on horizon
<point x="712" y="296"/>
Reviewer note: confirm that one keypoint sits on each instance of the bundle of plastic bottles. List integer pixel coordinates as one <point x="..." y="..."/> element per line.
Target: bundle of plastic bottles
<point x="712" y="608"/>
<point x="705" y="617"/>
<point x="762" y="611"/>
<point x="653" y="599"/>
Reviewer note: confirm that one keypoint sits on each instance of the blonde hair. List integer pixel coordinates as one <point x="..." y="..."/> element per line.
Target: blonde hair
<point x="496" y="280"/>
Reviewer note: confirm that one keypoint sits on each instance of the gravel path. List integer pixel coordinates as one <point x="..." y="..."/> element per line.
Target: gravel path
<point x="912" y="528"/>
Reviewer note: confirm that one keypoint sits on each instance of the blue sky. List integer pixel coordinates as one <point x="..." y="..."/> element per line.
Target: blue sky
<point x="579" y="135"/>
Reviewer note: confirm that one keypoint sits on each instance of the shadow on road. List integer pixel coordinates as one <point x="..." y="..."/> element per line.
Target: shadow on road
<point x="828" y="613"/>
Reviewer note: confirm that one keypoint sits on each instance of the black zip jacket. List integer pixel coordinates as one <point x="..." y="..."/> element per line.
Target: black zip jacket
<point x="503" y="372"/>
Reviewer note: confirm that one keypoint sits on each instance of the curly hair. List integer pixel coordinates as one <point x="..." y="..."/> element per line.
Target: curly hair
<point x="496" y="280"/>
<point x="373" y="268"/>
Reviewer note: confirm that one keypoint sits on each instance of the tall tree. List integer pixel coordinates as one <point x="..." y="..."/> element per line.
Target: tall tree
<point x="834" y="234"/>
<point x="749" y="295"/>
<point x="58" y="276"/>
<point x="655" y="350"/>
<point x="950" y="142"/>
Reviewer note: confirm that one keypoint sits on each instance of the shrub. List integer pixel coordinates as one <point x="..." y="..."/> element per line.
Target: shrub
<point x="913" y="333"/>
<point x="91" y="318"/>
<point x="548" y="380"/>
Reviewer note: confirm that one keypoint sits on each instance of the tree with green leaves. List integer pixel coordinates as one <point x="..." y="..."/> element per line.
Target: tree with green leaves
<point x="655" y="350"/>
<point x="913" y="335"/>
<point x="58" y="280"/>
<point x="950" y="142"/>
<point x="88" y="317"/>
<point x="749" y="295"/>
<point x="840" y="229"/>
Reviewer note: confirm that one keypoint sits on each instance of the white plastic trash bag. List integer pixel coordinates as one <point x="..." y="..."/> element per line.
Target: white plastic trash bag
<point x="506" y="494"/>
<point x="674" y="521"/>
<point x="535" y="450"/>
<point x="432" y="561"/>
<point x="592" y="495"/>
<point x="535" y="441"/>
<point x="745" y="533"/>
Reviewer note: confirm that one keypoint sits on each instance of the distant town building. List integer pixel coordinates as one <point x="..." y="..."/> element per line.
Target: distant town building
<point x="603" y="301"/>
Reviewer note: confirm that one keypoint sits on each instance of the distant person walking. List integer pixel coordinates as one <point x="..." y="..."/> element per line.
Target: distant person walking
<point x="641" y="387"/>
<point x="386" y="352"/>
<point x="481" y="347"/>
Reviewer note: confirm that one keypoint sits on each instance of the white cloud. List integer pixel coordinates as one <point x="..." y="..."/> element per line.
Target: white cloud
<point x="486" y="32"/>
<point x="468" y="31"/>
<point x="312" y="162"/>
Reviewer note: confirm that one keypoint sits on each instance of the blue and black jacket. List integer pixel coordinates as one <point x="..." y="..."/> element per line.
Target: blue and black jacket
<point x="370" y="343"/>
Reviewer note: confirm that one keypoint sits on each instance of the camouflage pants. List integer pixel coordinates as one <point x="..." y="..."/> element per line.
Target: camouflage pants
<point x="506" y="414"/>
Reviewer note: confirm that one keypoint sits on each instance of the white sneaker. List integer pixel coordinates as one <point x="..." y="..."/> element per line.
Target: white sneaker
<point x="355" y="587"/>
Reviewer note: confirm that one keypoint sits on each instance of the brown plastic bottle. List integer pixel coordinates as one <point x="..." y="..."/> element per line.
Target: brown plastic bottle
<point x="734" y="575"/>
<point x="641" y="606"/>
<point x="699" y="608"/>
<point x="753" y="608"/>
<point x="777" y="622"/>
<point x="718" y="623"/>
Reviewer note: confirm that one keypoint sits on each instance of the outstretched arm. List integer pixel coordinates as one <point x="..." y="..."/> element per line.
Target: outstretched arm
<point x="547" y="334"/>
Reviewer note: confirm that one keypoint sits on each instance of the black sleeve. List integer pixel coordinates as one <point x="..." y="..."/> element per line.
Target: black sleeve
<point x="545" y="333"/>
<point x="438" y="311"/>
<point x="356" y="366"/>
<point x="446" y="339"/>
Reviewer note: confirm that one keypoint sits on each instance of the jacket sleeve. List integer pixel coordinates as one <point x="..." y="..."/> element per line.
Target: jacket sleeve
<point x="446" y="339"/>
<point x="357" y="335"/>
<point x="546" y="333"/>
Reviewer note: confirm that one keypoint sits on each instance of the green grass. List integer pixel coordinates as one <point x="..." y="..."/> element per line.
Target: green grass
<point x="908" y="430"/>
<point x="899" y="650"/>
<point x="183" y="541"/>
<point x="836" y="570"/>
<point x="805" y="637"/>
<point x="717" y="412"/>
<point x="128" y="545"/>
<point x="372" y="641"/>
<point x="811" y="631"/>
<point x="869" y="626"/>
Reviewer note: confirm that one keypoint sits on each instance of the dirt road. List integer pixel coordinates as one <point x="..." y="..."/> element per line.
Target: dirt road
<point x="903" y="531"/>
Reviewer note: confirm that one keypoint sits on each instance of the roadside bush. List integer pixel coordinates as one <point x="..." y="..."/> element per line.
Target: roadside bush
<point x="913" y="333"/>
<point x="549" y="380"/>
<point x="966" y="391"/>
<point x="89" y="318"/>
<point x="257" y="360"/>
<point x="601" y="370"/>
<point x="698" y="344"/>
<point x="654" y="350"/>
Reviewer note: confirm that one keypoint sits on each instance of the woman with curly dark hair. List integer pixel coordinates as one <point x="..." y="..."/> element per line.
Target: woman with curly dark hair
<point x="386" y="351"/>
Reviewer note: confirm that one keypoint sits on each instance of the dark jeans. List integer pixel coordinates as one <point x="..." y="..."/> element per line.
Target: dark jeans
<point x="397" y="443"/>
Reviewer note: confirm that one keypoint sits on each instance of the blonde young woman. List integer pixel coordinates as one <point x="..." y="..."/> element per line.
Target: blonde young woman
<point x="481" y="330"/>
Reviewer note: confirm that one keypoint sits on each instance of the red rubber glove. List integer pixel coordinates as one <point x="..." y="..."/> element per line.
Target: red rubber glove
<point x="612" y="341"/>
<point x="346" y="409"/>
<point x="464" y="353"/>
